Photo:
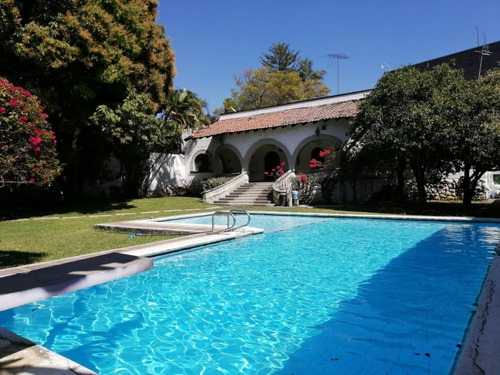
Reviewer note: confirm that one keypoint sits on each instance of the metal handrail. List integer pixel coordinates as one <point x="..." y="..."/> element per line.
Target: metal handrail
<point x="223" y="213"/>
<point x="241" y="212"/>
<point x="229" y="214"/>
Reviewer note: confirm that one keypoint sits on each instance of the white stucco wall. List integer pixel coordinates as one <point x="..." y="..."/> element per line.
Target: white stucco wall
<point x="249" y="149"/>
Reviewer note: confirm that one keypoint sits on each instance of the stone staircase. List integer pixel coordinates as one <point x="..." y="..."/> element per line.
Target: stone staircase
<point x="250" y="194"/>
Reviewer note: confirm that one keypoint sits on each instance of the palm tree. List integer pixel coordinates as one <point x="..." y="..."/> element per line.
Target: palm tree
<point x="307" y="72"/>
<point x="184" y="110"/>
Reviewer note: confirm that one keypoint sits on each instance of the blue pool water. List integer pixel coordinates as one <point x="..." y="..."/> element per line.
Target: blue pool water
<point x="334" y="296"/>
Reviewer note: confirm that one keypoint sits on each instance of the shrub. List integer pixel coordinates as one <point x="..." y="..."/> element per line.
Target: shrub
<point x="212" y="183"/>
<point x="27" y="143"/>
<point x="307" y="187"/>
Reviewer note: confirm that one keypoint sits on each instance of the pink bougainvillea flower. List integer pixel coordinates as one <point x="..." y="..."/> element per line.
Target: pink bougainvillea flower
<point x="35" y="141"/>
<point x="321" y="154"/>
<point x="13" y="102"/>
<point x="36" y="169"/>
<point x="32" y="181"/>
<point x="23" y="119"/>
<point x="327" y="152"/>
<point x="37" y="149"/>
<point x="283" y="163"/>
<point x="2" y="109"/>
<point x="44" y="115"/>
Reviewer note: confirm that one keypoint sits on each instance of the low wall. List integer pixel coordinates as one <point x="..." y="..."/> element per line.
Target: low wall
<point x="222" y="191"/>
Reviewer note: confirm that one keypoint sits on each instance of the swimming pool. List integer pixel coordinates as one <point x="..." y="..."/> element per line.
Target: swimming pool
<point x="332" y="296"/>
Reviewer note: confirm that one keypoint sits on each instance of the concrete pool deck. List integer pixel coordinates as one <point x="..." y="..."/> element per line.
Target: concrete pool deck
<point x="21" y="285"/>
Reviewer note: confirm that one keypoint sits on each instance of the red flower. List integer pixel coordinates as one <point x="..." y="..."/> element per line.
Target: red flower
<point x="283" y="163"/>
<point x="37" y="149"/>
<point x="32" y="181"/>
<point x="13" y="102"/>
<point x="35" y="141"/>
<point x="44" y="115"/>
<point x="321" y="154"/>
<point x="303" y="177"/>
<point x="327" y="152"/>
<point x="23" y="119"/>
<point x="2" y="109"/>
<point x="36" y="169"/>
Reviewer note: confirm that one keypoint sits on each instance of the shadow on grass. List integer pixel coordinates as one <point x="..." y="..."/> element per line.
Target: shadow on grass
<point x="14" y="258"/>
<point x="82" y="208"/>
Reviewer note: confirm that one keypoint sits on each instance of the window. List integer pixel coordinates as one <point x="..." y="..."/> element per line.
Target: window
<point x="496" y="179"/>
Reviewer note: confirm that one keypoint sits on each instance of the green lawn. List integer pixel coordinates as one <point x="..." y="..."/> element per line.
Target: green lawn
<point x="59" y="232"/>
<point x="42" y="235"/>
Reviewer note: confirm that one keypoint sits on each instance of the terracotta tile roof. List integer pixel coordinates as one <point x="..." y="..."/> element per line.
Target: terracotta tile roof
<point x="255" y="120"/>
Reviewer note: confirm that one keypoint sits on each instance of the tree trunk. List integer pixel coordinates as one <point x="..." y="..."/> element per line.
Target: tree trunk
<point x="469" y="185"/>
<point x="419" y="173"/>
<point x="400" y="168"/>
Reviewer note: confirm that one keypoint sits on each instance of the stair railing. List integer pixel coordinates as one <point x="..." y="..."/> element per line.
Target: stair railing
<point x="282" y="188"/>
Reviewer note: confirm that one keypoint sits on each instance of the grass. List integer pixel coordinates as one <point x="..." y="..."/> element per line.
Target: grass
<point x="63" y="232"/>
<point x="29" y="236"/>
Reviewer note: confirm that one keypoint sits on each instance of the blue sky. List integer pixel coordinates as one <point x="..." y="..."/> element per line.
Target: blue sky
<point x="213" y="40"/>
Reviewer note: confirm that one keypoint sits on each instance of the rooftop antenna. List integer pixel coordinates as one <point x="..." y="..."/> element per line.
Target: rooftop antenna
<point x="338" y="56"/>
<point x="485" y="51"/>
<point x="477" y="35"/>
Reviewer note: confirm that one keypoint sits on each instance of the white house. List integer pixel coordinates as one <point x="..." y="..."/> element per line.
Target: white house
<point x="253" y="142"/>
<point x="256" y="141"/>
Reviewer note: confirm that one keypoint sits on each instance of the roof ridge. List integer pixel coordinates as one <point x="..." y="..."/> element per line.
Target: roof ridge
<point x="357" y="95"/>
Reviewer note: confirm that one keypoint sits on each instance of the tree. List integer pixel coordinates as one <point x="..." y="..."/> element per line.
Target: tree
<point x="435" y="121"/>
<point x="306" y="71"/>
<point x="474" y="136"/>
<point x="132" y="132"/>
<point x="27" y="142"/>
<point x="401" y="118"/>
<point x="184" y="110"/>
<point x="264" y="87"/>
<point x="283" y="78"/>
<point x="79" y="54"/>
<point x="281" y="58"/>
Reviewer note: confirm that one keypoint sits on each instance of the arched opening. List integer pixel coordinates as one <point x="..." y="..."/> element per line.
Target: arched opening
<point x="317" y="154"/>
<point x="202" y="163"/>
<point x="263" y="159"/>
<point x="271" y="160"/>
<point x="229" y="163"/>
<point x="312" y="150"/>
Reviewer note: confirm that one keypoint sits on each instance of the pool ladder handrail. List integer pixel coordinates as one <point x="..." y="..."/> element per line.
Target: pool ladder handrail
<point x="229" y="214"/>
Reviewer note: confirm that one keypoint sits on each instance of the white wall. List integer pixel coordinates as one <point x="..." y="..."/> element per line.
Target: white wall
<point x="178" y="170"/>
